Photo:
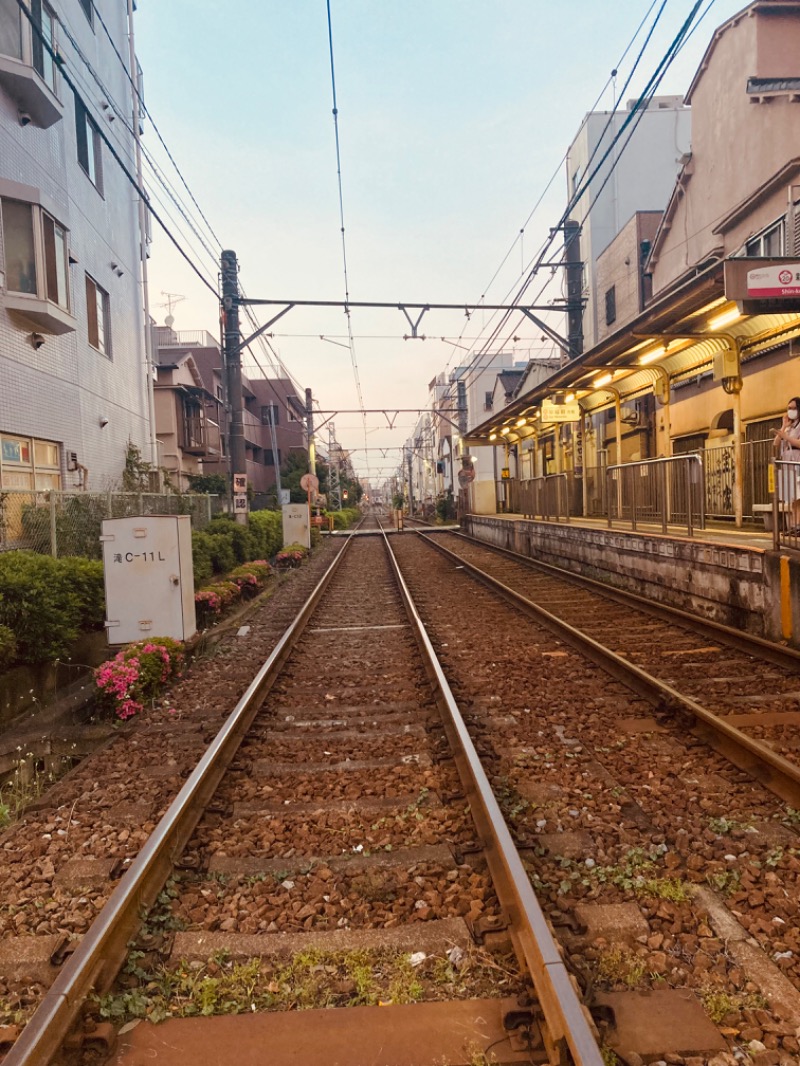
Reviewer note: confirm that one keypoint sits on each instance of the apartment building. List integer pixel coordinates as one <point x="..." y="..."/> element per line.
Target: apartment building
<point x="74" y="386"/>
<point x="191" y="418"/>
<point x="638" y="179"/>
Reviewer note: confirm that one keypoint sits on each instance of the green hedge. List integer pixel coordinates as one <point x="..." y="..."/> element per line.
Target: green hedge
<point x="345" y="518"/>
<point x="224" y="543"/>
<point x="45" y="602"/>
<point x="8" y="647"/>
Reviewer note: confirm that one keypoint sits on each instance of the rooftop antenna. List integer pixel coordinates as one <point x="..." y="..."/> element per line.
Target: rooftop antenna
<point x="173" y="298"/>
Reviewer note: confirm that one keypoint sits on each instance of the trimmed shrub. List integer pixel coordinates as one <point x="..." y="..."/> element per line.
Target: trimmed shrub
<point x="221" y="550"/>
<point x="242" y="542"/>
<point x="38" y="604"/>
<point x="85" y="578"/>
<point x="137" y="673"/>
<point x="267" y="530"/>
<point x="201" y="559"/>
<point x="8" y="647"/>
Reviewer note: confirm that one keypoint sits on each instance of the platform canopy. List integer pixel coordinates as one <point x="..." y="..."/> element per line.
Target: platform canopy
<point x="681" y="335"/>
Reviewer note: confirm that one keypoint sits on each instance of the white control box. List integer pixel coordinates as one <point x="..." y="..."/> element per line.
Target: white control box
<point x="149" y="578"/>
<point x="296" y="526"/>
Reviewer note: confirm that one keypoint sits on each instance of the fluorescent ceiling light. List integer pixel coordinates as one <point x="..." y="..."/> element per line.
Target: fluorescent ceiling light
<point x="725" y="318"/>
<point x="652" y="355"/>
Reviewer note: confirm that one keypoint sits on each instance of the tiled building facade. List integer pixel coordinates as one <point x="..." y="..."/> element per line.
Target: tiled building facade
<point x="73" y="375"/>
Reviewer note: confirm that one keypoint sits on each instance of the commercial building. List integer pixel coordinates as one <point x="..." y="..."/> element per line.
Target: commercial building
<point x="74" y="387"/>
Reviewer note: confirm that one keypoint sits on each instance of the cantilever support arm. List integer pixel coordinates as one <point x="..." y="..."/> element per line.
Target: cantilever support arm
<point x="265" y="327"/>
<point x="543" y="326"/>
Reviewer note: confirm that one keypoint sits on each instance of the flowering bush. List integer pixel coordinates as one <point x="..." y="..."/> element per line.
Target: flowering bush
<point x="136" y="674"/>
<point x="292" y="555"/>
<point x="207" y="604"/>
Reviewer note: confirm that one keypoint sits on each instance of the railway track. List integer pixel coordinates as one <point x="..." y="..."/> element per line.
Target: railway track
<point x="740" y="692"/>
<point x="335" y="862"/>
<point x="626" y="811"/>
<point x="323" y="853"/>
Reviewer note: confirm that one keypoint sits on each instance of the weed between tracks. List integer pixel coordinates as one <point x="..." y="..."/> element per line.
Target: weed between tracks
<point x="637" y="873"/>
<point x="308" y="980"/>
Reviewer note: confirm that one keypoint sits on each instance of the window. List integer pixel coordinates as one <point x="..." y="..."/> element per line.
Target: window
<point x="611" y="305"/>
<point x="10" y="29"/>
<point x="97" y="316"/>
<point x="35" y="248"/>
<point x="269" y="457"/>
<point x="26" y="463"/>
<point x="88" y="9"/>
<point x="88" y="137"/>
<point x="270" y="415"/>
<point x="769" y="243"/>
<point x="42" y="59"/>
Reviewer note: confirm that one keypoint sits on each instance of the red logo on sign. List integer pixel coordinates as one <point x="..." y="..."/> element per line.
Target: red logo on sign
<point x="785" y="277"/>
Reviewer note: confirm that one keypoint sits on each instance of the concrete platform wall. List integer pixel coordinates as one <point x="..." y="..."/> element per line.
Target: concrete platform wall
<point x="744" y="587"/>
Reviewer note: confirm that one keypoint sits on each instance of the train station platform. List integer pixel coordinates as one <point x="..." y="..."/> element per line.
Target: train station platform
<point x="728" y="575"/>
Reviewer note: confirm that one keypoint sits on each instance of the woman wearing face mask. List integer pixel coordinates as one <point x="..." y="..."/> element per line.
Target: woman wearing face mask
<point x="787" y="445"/>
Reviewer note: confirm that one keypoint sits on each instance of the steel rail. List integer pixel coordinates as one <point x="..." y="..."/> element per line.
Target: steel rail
<point x="748" y="643"/>
<point x="568" y="1029"/>
<point x="96" y="961"/>
<point x="761" y="762"/>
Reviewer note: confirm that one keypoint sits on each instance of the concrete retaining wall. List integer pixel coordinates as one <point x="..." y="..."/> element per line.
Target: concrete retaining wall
<point x="744" y="587"/>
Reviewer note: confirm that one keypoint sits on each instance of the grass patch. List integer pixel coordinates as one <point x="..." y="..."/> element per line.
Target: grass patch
<point x="718" y="1004"/>
<point x="308" y="980"/>
<point x="26" y="784"/>
<point x="619" y="966"/>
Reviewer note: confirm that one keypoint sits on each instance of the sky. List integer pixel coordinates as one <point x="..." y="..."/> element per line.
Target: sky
<point x="454" y="115"/>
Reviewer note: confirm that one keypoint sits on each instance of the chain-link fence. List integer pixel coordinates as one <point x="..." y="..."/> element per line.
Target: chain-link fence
<point x="64" y="523"/>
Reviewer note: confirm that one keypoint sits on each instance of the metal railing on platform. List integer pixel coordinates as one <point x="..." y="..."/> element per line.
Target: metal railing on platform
<point x="786" y="505"/>
<point x="542" y="497"/>
<point x="666" y="492"/>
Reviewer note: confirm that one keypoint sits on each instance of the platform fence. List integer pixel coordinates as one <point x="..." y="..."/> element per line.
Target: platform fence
<point x="665" y="492"/>
<point x="69" y="523"/>
<point x="546" y="497"/>
<point x="786" y="505"/>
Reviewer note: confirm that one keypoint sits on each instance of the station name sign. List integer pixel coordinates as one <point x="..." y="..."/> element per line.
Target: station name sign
<point x="763" y="286"/>
<point x="561" y="412"/>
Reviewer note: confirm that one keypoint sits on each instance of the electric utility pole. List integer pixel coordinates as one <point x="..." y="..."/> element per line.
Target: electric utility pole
<point x="312" y="446"/>
<point x="233" y="369"/>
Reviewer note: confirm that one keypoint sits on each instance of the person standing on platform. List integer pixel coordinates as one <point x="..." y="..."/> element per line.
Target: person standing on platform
<point x="787" y="446"/>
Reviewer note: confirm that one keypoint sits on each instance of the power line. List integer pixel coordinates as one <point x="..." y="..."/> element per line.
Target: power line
<point x="537" y="259"/>
<point x="59" y="62"/>
<point x="353" y="358"/>
<point x="144" y="108"/>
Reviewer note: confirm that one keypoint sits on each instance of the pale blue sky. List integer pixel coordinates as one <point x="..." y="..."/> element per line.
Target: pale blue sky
<point x="453" y="117"/>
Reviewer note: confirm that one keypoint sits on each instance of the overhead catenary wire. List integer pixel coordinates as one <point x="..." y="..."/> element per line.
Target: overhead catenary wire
<point x="634" y="117"/>
<point x="563" y="159"/>
<point x="351" y="338"/>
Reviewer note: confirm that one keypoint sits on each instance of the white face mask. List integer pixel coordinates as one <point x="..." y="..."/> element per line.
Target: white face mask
<point x="792" y="413"/>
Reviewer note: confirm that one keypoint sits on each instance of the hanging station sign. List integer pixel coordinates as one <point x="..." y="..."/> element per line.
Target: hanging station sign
<point x="561" y="412"/>
<point x="763" y="286"/>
